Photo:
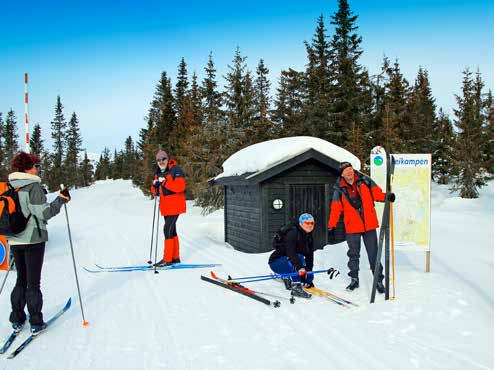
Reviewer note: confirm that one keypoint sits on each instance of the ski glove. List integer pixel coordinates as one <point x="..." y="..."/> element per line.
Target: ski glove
<point x="391" y="197"/>
<point x="157" y="183"/>
<point x="65" y="193"/>
<point x="332" y="272"/>
<point x="302" y="272"/>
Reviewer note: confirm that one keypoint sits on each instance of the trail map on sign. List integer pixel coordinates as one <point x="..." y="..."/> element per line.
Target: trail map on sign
<point x="412" y="186"/>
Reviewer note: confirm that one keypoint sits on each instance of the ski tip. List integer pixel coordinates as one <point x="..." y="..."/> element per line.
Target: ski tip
<point x="69" y="303"/>
<point x="213" y="275"/>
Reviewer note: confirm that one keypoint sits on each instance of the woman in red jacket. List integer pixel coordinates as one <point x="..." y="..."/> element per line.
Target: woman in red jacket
<point x="169" y="184"/>
<point x="354" y="196"/>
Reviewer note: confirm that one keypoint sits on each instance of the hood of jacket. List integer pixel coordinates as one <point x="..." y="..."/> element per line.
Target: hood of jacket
<point x="21" y="179"/>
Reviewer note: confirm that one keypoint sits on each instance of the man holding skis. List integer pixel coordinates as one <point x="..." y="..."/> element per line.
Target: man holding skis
<point x="294" y="251"/>
<point x="354" y="196"/>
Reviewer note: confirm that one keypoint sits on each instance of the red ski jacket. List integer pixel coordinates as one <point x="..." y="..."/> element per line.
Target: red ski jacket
<point x="359" y="214"/>
<point x="172" y="196"/>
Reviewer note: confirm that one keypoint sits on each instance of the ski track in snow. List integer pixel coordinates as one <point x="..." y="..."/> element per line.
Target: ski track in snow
<point x="174" y="320"/>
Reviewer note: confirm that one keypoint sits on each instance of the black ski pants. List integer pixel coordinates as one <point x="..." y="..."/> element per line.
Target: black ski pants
<point x="370" y="241"/>
<point x="28" y="260"/>
<point x="170" y="228"/>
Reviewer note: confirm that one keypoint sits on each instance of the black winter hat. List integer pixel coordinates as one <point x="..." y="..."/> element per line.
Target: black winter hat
<point x="344" y="165"/>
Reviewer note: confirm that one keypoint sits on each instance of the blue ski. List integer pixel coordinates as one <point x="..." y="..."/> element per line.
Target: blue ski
<point x="147" y="267"/>
<point x="150" y="268"/>
<point x="9" y="341"/>
<point x="48" y="323"/>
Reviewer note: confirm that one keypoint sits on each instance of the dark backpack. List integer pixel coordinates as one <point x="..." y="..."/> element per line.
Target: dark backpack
<point x="282" y="231"/>
<point x="12" y="220"/>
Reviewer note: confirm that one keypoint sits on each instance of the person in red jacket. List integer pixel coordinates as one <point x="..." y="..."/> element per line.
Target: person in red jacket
<point x="354" y="196"/>
<point x="169" y="184"/>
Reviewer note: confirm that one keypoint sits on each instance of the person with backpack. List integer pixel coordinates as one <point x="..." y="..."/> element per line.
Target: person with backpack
<point x="28" y="245"/>
<point x="354" y="196"/>
<point x="169" y="184"/>
<point x="294" y="252"/>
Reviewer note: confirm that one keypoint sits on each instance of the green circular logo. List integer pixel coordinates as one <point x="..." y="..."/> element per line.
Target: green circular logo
<point x="378" y="160"/>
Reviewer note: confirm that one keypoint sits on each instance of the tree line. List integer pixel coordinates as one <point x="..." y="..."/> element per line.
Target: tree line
<point x="63" y="164"/>
<point x="334" y="97"/>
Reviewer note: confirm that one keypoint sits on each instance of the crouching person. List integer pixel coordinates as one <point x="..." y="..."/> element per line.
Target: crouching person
<point x="294" y="252"/>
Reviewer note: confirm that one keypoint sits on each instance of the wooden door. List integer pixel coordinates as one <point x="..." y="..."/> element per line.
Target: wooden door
<point x="310" y="199"/>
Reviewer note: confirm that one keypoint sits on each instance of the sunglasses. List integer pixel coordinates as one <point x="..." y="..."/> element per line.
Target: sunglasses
<point x="161" y="159"/>
<point x="37" y="166"/>
<point x="309" y="223"/>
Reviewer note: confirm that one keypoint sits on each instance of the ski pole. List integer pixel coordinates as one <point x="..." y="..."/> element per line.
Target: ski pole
<point x="157" y="233"/>
<point x="84" y="322"/>
<point x="152" y="233"/>
<point x="6" y="275"/>
<point x="251" y="279"/>
<point x="392" y="251"/>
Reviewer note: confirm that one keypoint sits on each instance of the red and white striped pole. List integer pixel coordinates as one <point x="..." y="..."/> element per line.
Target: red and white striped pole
<point x="26" y="101"/>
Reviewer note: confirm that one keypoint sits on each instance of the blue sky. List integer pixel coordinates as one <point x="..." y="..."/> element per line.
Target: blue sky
<point x="104" y="58"/>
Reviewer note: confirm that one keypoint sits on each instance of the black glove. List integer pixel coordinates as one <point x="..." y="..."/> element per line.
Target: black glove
<point x="333" y="273"/>
<point x="156" y="184"/>
<point x="65" y="193"/>
<point x="391" y="197"/>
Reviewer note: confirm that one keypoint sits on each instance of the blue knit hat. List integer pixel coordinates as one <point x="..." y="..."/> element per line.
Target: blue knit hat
<point x="305" y="217"/>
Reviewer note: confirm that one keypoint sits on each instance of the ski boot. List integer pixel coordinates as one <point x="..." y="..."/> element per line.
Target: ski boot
<point x="17" y="326"/>
<point x="288" y="283"/>
<point x="37" y="329"/>
<point x="176" y="260"/>
<point x="380" y="287"/>
<point x="162" y="263"/>
<point x="298" y="291"/>
<point x="353" y="285"/>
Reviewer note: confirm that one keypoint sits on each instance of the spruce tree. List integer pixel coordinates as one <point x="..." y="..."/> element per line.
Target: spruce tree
<point x="422" y="111"/>
<point x="488" y="131"/>
<point x="469" y="165"/>
<point x="56" y="174"/>
<point x="86" y="170"/>
<point x="10" y="145"/>
<point x="393" y="109"/>
<point x="239" y="101"/>
<point x="117" y="165"/>
<point x="317" y="105"/>
<point x="36" y="141"/>
<point x="73" y="144"/>
<point x="129" y="159"/>
<point x="182" y="107"/>
<point x="103" y="167"/>
<point x="443" y="141"/>
<point x="351" y="99"/>
<point x="288" y="114"/>
<point x="160" y="133"/>
<point x="209" y="151"/>
<point x="262" y="126"/>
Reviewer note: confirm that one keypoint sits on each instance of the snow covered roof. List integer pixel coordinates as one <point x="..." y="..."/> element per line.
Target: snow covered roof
<point x="260" y="157"/>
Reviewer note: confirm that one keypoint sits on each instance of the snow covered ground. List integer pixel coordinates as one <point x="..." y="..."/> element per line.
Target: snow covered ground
<point x="138" y="320"/>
